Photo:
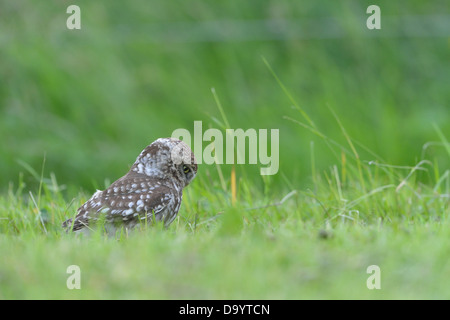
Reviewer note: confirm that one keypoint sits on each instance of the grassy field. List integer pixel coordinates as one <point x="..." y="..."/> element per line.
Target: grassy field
<point x="309" y="244"/>
<point x="364" y="154"/>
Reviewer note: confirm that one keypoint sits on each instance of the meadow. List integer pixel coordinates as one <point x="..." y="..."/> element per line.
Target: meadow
<point x="364" y="126"/>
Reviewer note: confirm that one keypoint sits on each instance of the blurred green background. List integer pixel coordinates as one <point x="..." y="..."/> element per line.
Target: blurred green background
<point x="90" y="100"/>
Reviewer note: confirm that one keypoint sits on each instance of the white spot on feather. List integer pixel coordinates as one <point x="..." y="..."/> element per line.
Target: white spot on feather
<point x="97" y="194"/>
<point x="105" y="210"/>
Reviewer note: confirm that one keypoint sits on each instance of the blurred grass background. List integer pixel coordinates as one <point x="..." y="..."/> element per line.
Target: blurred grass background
<point x="90" y="100"/>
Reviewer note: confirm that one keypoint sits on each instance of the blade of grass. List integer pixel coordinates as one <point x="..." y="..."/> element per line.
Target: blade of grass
<point x="442" y="137"/>
<point x="39" y="212"/>
<point x="288" y="94"/>
<point x="352" y="147"/>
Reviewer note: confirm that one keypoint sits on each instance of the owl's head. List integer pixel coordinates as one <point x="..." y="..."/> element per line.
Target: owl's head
<point x="167" y="158"/>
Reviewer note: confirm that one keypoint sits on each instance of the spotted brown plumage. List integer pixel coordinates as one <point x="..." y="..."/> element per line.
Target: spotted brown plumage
<point x="152" y="189"/>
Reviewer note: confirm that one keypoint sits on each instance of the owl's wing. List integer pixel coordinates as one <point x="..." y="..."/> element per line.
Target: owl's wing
<point x="127" y="201"/>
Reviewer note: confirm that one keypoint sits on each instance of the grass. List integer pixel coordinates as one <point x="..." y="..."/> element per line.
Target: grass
<point x="102" y="94"/>
<point x="364" y="147"/>
<point x="313" y="243"/>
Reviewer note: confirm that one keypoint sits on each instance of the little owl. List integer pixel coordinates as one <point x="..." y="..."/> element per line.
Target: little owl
<point x="152" y="189"/>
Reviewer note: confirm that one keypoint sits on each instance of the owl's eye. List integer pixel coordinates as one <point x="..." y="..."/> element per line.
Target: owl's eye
<point x="186" y="169"/>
